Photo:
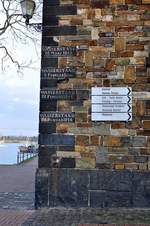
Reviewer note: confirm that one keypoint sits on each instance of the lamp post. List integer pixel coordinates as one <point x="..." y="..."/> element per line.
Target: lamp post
<point x="28" y="8"/>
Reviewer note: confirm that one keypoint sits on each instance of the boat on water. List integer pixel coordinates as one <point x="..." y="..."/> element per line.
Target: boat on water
<point x="2" y="143"/>
<point x="28" y="148"/>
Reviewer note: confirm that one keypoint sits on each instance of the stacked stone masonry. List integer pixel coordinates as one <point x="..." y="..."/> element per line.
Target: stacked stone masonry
<point x="110" y="42"/>
<point x="92" y="188"/>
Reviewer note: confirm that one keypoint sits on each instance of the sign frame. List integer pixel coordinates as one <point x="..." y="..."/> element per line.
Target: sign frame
<point x="111" y="104"/>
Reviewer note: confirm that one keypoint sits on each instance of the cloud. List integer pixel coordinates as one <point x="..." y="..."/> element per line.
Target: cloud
<point x="19" y="98"/>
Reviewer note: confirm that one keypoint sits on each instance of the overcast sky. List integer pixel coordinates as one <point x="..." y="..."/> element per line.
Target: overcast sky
<point x="19" y="94"/>
<point x="19" y="101"/>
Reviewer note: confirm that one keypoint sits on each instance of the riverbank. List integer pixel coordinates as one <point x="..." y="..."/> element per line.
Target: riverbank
<point x="9" y="154"/>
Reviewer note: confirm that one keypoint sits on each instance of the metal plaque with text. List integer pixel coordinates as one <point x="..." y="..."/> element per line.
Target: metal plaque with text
<point x="57" y="73"/>
<point x="59" y="51"/>
<point x="47" y="117"/>
<point x="51" y="94"/>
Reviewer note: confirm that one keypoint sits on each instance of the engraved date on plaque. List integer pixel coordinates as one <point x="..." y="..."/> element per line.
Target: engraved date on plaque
<point x="57" y="73"/>
<point x="47" y="117"/>
<point x="58" y="94"/>
<point x="56" y="51"/>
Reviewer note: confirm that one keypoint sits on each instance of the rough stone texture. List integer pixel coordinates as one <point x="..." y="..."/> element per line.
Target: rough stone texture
<point x="56" y="139"/>
<point x="112" y="50"/>
<point x="92" y="188"/>
<point x="89" y="217"/>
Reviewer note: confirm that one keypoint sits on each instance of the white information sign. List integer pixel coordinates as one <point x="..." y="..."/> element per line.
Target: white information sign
<point x="111" y="104"/>
<point x="111" y="99"/>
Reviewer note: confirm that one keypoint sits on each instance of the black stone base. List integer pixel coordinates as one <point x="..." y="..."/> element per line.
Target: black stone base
<point x="92" y="188"/>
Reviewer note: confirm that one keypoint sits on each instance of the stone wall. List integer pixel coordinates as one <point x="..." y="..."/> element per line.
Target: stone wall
<point x="85" y="44"/>
<point x="92" y="188"/>
<point x="102" y="43"/>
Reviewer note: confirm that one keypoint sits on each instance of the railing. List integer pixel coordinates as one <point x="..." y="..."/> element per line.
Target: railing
<point x="22" y="156"/>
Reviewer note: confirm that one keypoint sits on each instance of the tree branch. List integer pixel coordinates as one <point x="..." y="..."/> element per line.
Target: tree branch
<point x="7" y="54"/>
<point x="13" y="32"/>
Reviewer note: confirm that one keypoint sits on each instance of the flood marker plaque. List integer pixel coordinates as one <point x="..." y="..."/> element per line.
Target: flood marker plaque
<point x="58" y="51"/>
<point x="57" y="73"/>
<point x="111" y="104"/>
<point x="51" y="94"/>
<point x="47" y="117"/>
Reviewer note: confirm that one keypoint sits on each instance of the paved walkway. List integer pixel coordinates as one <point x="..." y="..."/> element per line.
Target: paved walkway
<point x="19" y="178"/>
<point x="89" y="217"/>
<point x="14" y="217"/>
<point x="17" y="187"/>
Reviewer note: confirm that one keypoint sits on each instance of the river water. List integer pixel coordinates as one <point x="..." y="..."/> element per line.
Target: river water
<point x="8" y="153"/>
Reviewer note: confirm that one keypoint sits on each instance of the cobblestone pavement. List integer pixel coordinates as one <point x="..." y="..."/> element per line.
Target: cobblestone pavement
<point x="17" y="200"/>
<point x="89" y="217"/>
<point x="17" y="186"/>
<point x="14" y="217"/>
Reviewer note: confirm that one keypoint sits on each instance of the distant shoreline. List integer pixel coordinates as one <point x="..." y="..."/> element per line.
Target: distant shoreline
<point x="19" y="139"/>
<point x="14" y="142"/>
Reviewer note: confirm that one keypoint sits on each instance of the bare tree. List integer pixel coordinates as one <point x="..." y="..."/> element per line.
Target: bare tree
<point x="15" y="35"/>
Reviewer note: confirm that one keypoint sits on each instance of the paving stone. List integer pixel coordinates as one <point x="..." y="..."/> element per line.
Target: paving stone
<point x="48" y="83"/>
<point x="67" y="163"/>
<point x="45" y="156"/>
<point x="17" y="200"/>
<point x="41" y="193"/>
<point x="141" y="159"/>
<point x="59" y="31"/>
<point x="148" y="61"/>
<point x="110" y="199"/>
<point x="139" y="141"/>
<point x="49" y="41"/>
<point x="46" y="106"/>
<point x="141" y="188"/>
<point x="111" y="180"/>
<point x="14" y="217"/>
<point x="72" y="192"/>
<point x="100" y="4"/>
<point x="50" y="20"/>
<point x="89" y="217"/>
<point x="47" y="127"/>
<point x="52" y="2"/>
<point x="60" y="10"/>
<point x="56" y="139"/>
<point x="49" y="62"/>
